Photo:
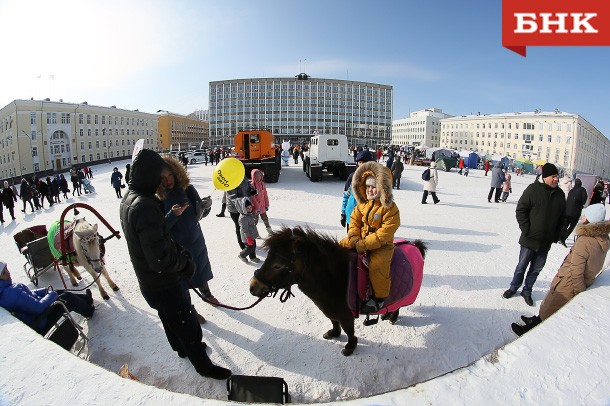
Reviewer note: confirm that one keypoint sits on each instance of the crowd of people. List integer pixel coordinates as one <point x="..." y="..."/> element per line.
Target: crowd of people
<point x="169" y="255"/>
<point x="35" y="191"/>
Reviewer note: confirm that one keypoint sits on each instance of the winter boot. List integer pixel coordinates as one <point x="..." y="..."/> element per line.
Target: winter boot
<point x="531" y="321"/>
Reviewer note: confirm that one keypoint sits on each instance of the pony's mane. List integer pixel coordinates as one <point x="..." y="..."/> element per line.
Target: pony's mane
<point x="306" y="241"/>
<point x="83" y="226"/>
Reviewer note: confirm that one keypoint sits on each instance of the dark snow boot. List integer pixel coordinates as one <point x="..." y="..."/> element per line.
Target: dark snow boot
<point x="531" y="321"/>
<point x="519" y="329"/>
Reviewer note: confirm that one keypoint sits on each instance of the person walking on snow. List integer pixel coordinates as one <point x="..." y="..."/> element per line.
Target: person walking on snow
<point x="260" y="201"/>
<point x="430" y="185"/>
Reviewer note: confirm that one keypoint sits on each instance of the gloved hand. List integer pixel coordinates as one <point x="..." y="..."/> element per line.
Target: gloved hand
<point x="343" y="220"/>
<point x="249" y="241"/>
<point x="510" y="189"/>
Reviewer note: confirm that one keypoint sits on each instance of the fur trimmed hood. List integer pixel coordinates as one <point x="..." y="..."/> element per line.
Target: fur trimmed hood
<point x="382" y="174"/>
<point x="601" y="229"/>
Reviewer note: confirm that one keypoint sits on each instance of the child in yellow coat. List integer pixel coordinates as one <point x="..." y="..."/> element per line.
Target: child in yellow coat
<point x="372" y="226"/>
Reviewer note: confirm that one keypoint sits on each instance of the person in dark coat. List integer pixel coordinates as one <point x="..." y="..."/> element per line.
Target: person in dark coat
<point x="184" y="225"/>
<point x="43" y="188"/>
<point x="577" y="198"/>
<point x="9" y="199"/>
<point x="116" y="180"/>
<point x="541" y="216"/>
<point x="81" y="176"/>
<point x="35" y="194"/>
<point x="53" y="190"/>
<point x="397" y="168"/>
<point x="598" y="193"/>
<point x="63" y="186"/>
<point x="497" y="178"/>
<point x="25" y="191"/>
<point x="127" y="171"/>
<point x="162" y="266"/>
<point x="76" y="187"/>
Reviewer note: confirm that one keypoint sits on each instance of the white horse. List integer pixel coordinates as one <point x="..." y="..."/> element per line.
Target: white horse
<point x="86" y="244"/>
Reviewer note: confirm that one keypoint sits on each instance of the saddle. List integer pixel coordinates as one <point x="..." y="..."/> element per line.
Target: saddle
<point x="67" y="237"/>
<point x="406" y="274"/>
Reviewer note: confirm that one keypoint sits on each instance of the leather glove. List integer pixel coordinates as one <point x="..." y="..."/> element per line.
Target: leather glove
<point x="343" y="220"/>
<point x="511" y="190"/>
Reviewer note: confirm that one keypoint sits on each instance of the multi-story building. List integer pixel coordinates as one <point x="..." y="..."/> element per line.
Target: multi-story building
<point x="565" y="139"/>
<point x="296" y="108"/>
<point x="421" y="128"/>
<point x="182" y="132"/>
<point x="44" y="136"/>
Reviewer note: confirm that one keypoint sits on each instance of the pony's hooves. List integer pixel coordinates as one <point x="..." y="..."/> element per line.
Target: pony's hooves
<point x="105" y="297"/>
<point x="80" y="278"/>
<point x="330" y="334"/>
<point x="75" y="284"/>
<point x="347" y="351"/>
<point x="116" y="288"/>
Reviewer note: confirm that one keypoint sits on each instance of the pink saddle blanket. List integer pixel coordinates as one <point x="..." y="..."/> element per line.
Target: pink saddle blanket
<point x="406" y="275"/>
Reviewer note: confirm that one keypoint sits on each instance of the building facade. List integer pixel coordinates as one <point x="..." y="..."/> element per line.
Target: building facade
<point x="565" y="139"/>
<point x="420" y="128"/>
<point x="296" y="108"/>
<point x="43" y="136"/>
<point x="181" y="132"/>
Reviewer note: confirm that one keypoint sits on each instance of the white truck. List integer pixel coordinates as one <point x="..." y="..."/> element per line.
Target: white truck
<point x="329" y="152"/>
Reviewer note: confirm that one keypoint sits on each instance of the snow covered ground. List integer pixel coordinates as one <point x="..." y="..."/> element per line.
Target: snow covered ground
<point x="459" y="317"/>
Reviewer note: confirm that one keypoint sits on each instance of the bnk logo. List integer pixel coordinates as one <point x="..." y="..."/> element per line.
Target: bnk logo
<point x="554" y="23"/>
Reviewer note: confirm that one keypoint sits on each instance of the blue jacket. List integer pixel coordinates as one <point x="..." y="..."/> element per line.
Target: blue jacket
<point x="349" y="202"/>
<point x="27" y="305"/>
<point x="186" y="231"/>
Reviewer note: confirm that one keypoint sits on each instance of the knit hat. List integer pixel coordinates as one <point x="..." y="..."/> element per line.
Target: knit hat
<point x="370" y="181"/>
<point x="247" y="202"/>
<point x="549" y="170"/>
<point x="595" y="213"/>
<point x="364" y="156"/>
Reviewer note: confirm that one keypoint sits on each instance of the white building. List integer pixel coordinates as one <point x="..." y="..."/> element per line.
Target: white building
<point x="44" y="136"/>
<point x="296" y="108"/>
<point x="565" y="139"/>
<point x="421" y="128"/>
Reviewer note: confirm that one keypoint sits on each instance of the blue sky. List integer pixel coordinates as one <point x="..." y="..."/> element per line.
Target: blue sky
<point x="152" y="55"/>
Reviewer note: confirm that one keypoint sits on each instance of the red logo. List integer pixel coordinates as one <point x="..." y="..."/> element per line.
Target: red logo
<point x="554" y="22"/>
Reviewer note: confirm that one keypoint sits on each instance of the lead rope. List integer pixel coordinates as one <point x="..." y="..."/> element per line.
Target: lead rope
<point x="223" y="305"/>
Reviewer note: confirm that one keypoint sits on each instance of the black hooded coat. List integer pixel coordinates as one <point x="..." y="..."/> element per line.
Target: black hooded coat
<point x="159" y="262"/>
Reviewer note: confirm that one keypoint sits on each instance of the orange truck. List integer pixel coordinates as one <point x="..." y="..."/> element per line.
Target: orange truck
<point x="257" y="150"/>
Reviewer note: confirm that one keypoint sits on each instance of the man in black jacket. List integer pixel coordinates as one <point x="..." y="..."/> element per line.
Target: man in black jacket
<point x="541" y="217"/>
<point x="162" y="267"/>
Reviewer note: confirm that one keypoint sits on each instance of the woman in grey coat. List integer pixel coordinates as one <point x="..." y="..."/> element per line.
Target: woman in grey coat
<point x="497" y="178"/>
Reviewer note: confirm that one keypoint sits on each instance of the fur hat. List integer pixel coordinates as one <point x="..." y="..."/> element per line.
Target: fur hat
<point x="549" y="170"/>
<point x="595" y="213"/>
<point x="364" y="156"/>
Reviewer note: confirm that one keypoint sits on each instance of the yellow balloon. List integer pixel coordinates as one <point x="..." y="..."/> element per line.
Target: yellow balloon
<point x="228" y="174"/>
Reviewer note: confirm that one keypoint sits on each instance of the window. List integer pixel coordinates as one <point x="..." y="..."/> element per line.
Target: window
<point x="95" y="119"/>
<point x="550" y="138"/>
<point x="33" y="135"/>
<point x="34" y="151"/>
<point x="33" y="117"/>
<point x="81" y="132"/>
<point x="88" y="118"/>
<point x="80" y="121"/>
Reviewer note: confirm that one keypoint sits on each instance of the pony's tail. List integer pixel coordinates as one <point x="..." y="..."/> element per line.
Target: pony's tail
<point x="422" y="247"/>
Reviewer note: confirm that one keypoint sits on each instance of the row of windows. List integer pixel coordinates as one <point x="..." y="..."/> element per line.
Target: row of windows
<point x="525" y="126"/>
<point x="526" y="137"/>
<point x="319" y="86"/>
<point x="52" y="118"/>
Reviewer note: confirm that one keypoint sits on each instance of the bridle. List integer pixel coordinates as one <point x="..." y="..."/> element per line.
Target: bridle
<point x="83" y="245"/>
<point x="288" y="278"/>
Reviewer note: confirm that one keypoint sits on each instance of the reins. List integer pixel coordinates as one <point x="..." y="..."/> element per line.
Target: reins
<point x="224" y="305"/>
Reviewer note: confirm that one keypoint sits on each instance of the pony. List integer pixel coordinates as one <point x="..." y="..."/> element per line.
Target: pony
<point x="86" y="249"/>
<point x="320" y="267"/>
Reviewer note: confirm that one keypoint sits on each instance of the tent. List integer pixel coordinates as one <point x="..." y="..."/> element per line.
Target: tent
<point x="438" y="152"/>
<point x="525" y="165"/>
<point x="471" y="159"/>
<point x="498" y="159"/>
<point x="445" y="163"/>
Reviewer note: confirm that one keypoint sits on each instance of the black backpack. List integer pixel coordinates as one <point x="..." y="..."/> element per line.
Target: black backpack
<point x="426" y="174"/>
